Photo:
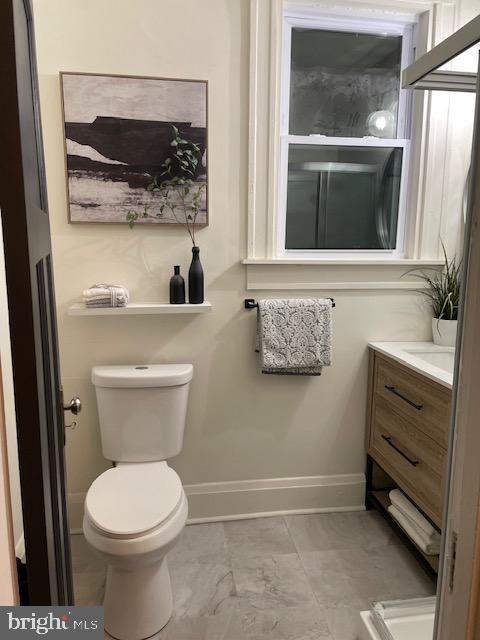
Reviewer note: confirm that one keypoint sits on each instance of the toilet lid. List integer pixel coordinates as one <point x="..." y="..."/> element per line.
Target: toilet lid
<point x="131" y="499"/>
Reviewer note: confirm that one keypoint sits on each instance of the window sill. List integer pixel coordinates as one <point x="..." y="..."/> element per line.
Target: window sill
<point x="405" y="262"/>
<point x="334" y="274"/>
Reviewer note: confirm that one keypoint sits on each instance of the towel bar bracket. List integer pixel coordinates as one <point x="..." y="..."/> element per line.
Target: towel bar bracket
<point x="250" y="303"/>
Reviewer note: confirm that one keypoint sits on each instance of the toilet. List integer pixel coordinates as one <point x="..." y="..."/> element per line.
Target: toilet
<point x="136" y="511"/>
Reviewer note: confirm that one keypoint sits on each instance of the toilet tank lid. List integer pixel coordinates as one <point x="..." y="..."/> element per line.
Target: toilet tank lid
<point x="142" y="375"/>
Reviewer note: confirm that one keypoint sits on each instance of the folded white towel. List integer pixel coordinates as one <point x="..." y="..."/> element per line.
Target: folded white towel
<point x="106" y="295"/>
<point x="403" y="504"/>
<point x="434" y="539"/>
<point x="427" y="545"/>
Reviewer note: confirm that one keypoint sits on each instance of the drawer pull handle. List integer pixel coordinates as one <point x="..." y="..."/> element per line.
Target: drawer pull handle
<point x="389" y="441"/>
<point x="397" y="393"/>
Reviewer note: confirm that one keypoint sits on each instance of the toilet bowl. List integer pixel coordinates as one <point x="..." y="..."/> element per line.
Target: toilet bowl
<point x="132" y="525"/>
<point x="136" y="511"/>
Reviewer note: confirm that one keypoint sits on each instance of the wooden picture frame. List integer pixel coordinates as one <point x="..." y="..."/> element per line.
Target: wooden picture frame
<point x="118" y="131"/>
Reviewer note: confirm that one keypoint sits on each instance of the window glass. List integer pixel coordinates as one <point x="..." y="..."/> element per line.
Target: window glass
<point x="342" y="197"/>
<point x="344" y="83"/>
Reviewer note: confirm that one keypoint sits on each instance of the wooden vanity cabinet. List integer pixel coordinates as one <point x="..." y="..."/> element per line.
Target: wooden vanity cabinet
<point x="408" y="421"/>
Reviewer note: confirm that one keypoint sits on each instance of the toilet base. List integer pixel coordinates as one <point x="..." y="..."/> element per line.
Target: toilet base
<point x="137" y="604"/>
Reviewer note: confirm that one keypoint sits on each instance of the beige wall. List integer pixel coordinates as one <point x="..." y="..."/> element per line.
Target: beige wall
<point x="241" y="425"/>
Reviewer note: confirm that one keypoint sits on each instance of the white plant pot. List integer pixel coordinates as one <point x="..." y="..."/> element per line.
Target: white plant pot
<point x="444" y="332"/>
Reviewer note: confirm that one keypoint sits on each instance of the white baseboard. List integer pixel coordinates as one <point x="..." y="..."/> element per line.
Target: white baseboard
<point x="212" y="501"/>
<point x="269" y="514"/>
<point x="241" y="499"/>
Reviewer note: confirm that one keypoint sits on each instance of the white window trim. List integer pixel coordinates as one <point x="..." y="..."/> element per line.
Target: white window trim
<point x="295" y="19"/>
<point x="434" y="21"/>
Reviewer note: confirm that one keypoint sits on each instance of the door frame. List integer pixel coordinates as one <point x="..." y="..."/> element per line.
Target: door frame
<point x="459" y="597"/>
<point x="38" y="406"/>
<point x="458" y="608"/>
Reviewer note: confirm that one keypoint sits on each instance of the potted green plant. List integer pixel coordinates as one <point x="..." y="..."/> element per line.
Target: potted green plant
<point x="443" y="293"/>
<point x="177" y="197"/>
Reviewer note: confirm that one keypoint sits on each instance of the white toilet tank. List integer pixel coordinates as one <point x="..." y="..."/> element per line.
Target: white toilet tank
<point x="142" y="410"/>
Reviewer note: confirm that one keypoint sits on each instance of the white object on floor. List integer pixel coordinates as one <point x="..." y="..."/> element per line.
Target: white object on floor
<point x="367" y="631"/>
<point x="135" y="512"/>
<point x="403" y="504"/>
<point x="402" y="620"/>
<point x="427" y="545"/>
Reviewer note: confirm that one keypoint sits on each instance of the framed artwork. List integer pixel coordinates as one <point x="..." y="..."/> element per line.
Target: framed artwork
<point x="125" y="138"/>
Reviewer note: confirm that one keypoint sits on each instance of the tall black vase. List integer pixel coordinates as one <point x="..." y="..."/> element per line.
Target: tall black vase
<point x="195" y="278"/>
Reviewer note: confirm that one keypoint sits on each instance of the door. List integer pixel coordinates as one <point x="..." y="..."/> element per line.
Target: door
<point x="458" y="615"/>
<point x="28" y="263"/>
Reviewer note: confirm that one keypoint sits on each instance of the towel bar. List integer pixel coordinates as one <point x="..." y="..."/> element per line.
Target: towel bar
<point x="251" y="304"/>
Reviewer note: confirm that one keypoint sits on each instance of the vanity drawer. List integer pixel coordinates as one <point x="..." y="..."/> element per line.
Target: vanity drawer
<point x="426" y="403"/>
<point x="413" y="459"/>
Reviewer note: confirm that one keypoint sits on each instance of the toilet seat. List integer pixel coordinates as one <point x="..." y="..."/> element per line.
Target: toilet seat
<point x="133" y="499"/>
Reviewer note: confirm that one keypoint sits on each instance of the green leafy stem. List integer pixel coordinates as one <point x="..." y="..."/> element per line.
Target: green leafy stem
<point x="178" y="194"/>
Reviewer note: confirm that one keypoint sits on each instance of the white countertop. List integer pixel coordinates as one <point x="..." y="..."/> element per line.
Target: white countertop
<point x="431" y="360"/>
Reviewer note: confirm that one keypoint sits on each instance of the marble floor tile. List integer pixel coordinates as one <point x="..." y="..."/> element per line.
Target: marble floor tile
<point x="84" y="558"/>
<point x="376" y="532"/>
<point x="89" y="587"/>
<point x="338" y="576"/>
<point x="89" y="572"/>
<point x="223" y="626"/>
<point x="272" y="582"/>
<point x="258" y="537"/>
<point x="284" y="623"/>
<point x="201" y="589"/>
<point x="403" y="576"/>
<point x="263" y="580"/>
<point x="326" y="531"/>
<point x="343" y="620"/>
<point x="341" y="575"/>
<point x="200" y="543"/>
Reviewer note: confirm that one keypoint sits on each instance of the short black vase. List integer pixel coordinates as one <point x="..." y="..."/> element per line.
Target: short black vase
<point x="177" y="287"/>
<point x="195" y="278"/>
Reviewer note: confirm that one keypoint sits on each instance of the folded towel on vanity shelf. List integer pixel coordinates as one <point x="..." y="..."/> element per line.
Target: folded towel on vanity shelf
<point x="429" y="546"/>
<point x="106" y="295"/>
<point x="434" y="539"/>
<point x="294" y="336"/>
<point x="403" y="504"/>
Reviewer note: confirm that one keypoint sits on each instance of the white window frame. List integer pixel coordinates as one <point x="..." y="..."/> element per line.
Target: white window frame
<point x="292" y="20"/>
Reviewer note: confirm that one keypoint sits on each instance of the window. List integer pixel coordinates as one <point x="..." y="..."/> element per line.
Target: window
<point x="344" y="129"/>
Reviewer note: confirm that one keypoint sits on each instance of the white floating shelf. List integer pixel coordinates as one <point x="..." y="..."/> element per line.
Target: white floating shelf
<point x="139" y="309"/>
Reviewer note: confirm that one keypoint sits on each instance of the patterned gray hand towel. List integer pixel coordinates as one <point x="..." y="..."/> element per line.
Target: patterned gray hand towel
<point x="294" y="336"/>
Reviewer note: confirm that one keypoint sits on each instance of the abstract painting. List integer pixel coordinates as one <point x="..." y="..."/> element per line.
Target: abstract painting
<point x="119" y="132"/>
